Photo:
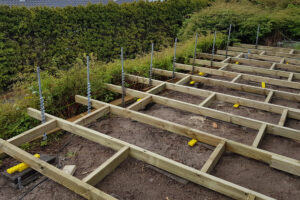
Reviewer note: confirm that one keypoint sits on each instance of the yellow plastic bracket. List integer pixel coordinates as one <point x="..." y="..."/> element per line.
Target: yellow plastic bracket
<point x="236" y="105"/>
<point x="201" y="73"/>
<point x="192" y="142"/>
<point x="236" y="62"/>
<point x="287" y="63"/>
<point x="263" y="84"/>
<point x="20" y="167"/>
<point x="192" y="82"/>
<point x="138" y="100"/>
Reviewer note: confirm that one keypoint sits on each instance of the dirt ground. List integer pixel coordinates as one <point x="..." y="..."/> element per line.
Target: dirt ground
<point x="136" y="180"/>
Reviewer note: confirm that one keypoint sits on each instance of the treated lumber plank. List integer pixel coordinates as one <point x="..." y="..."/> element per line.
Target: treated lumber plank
<point x="183" y="80"/>
<point x="280" y="163"/>
<point x="259" y="135"/>
<point x="294" y="113"/>
<point x="237" y="78"/>
<point x="262" y="53"/>
<point x="291" y="77"/>
<point x="93" y="116"/>
<point x="201" y="136"/>
<point x="283" y="117"/>
<point x="208" y="112"/>
<point x="227" y="60"/>
<point x="246" y="69"/>
<point x="269" y="97"/>
<point x="83" y="189"/>
<point x="69" y="169"/>
<point x="281" y="61"/>
<point x="214" y="158"/>
<point x="291" y="51"/>
<point x="31" y="134"/>
<point x="107" y="167"/>
<point x="273" y="66"/>
<point x="208" y="100"/>
<point x="157" y="89"/>
<point x="251" y="197"/>
<point x="181" y="170"/>
<point x="224" y="67"/>
<point x="139" y="105"/>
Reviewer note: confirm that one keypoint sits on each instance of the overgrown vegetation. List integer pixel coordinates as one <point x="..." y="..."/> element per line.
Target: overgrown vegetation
<point x="53" y="38"/>
<point x="276" y="23"/>
<point x="59" y="91"/>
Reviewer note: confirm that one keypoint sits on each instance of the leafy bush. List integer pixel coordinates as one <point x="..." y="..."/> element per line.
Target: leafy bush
<point x="59" y="91"/>
<point x="275" y="23"/>
<point x="53" y="38"/>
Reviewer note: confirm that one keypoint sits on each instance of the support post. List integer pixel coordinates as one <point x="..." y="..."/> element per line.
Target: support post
<point x="257" y="34"/>
<point x="88" y="84"/>
<point x="123" y="79"/>
<point x="174" y="59"/>
<point x="228" y="40"/>
<point x="195" y="52"/>
<point x="41" y="101"/>
<point x="150" y="71"/>
<point x="213" y="49"/>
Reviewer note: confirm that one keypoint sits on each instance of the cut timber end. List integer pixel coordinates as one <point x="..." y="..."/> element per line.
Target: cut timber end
<point x="69" y="169"/>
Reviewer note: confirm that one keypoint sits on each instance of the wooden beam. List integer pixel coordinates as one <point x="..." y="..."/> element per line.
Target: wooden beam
<point x="274" y="108"/>
<point x="214" y="157"/>
<point x="281" y="61"/>
<point x="259" y="135"/>
<point x="241" y="87"/>
<point x="269" y="97"/>
<point x="246" y="69"/>
<point x="31" y="134"/>
<point x="107" y="167"/>
<point x="291" y="77"/>
<point x="208" y="112"/>
<point x="181" y="170"/>
<point x="224" y="67"/>
<point x="93" y="116"/>
<point x="262" y="53"/>
<point x="206" y="102"/>
<point x="283" y="117"/>
<point x="291" y="51"/>
<point x="273" y="66"/>
<point x="184" y="80"/>
<point x="227" y="60"/>
<point x="201" y="136"/>
<point x="83" y="189"/>
<point x="251" y="197"/>
<point x="237" y="78"/>
<point x="139" y="105"/>
<point x="157" y="89"/>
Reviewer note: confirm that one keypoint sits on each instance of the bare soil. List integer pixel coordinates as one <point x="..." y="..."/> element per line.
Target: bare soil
<point x="135" y="180"/>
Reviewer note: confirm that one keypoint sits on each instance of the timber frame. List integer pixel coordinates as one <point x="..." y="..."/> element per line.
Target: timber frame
<point x="85" y="187"/>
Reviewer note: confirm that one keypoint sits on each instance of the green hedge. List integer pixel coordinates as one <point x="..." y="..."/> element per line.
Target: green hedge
<point x="276" y="23"/>
<point x="54" y="37"/>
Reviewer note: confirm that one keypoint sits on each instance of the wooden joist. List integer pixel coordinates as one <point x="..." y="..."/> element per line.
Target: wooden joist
<point x="260" y="135"/>
<point x="206" y="102"/>
<point x="269" y="97"/>
<point x="293" y="113"/>
<point x="157" y="88"/>
<point x="107" y="167"/>
<point x="208" y="112"/>
<point x="261" y="57"/>
<point x="183" y="80"/>
<point x="181" y="170"/>
<point x="57" y="175"/>
<point x="201" y="136"/>
<point x="93" y="116"/>
<point x="139" y="105"/>
<point x="31" y="134"/>
<point x="214" y="157"/>
<point x="239" y="76"/>
<point x="283" y="117"/>
<point x="246" y="69"/>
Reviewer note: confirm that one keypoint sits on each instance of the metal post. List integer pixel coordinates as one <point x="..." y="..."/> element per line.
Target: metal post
<point x="195" y="52"/>
<point x="228" y="40"/>
<point x="247" y="55"/>
<point x="213" y="49"/>
<point x="257" y="37"/>
<point x="150" y="71"/>
<point x="123" y="79"/>
<point x="174" y="60"/>
<point x="88" y="84"/>
<point x="41" y="101"/>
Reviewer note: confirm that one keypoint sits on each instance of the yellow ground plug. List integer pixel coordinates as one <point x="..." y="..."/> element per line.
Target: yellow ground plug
<point x="263" y="84"/>
<point x="237" y="62"/>
<point x="236" y="105"/>
<point x="20" y="167"/>
<point x="192" y="82"/>
<point x="201" y="73"/>
<point x="287" y="63"/>
<point x="138" y="100"/>
<point x="192" y="142"/>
